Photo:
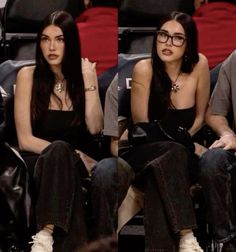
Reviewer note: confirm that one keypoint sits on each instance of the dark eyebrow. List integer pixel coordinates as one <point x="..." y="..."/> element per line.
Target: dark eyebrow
<point x="59" y="36"/>
<point x="179" y="33"/>
<point x="174" y="34"/>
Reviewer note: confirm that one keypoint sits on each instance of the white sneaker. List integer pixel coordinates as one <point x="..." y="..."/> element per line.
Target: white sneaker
<point x="42" y="243"/>
<point x="189" y="245"/>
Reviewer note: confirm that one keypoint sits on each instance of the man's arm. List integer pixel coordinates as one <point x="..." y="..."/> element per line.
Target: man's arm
<point x="220" y="125"/>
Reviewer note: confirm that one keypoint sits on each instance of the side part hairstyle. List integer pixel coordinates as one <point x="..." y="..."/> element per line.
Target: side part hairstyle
<point x="44" y="78"/>
<point x="159" y="100"/>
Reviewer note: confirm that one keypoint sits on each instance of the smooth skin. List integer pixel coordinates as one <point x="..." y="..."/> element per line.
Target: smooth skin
<point x="52" y="45"/>
<point x="194" y="87"/>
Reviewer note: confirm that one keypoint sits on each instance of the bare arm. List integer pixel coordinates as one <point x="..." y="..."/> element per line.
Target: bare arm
<point x="141" y="79"/>
<point x="220" y="125"/>
<point x="93" y="107"/>
<point x="202" y="94"/>
<point x="22" y="113"/>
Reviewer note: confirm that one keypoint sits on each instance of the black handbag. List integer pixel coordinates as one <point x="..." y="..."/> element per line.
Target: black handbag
<point x="15" y="200"/>
<point x="148" y="132"/>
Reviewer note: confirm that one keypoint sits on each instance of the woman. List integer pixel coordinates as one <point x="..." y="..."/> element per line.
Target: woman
<point x="57" y="109"/>
<point x="173" y="88"/>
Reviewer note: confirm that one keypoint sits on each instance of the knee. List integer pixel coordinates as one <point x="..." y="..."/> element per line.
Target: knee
<point x="177" y="148"/>
<point x="125" y="172"/>
<point x="58" y="146"/>
<point x="178" y="152"/>
<point x="213" y="162"/>
<point x="105" y="173"/>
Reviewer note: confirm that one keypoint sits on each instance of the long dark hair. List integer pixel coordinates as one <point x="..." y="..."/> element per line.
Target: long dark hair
<point x="44" y="78"/>
<point x="159" y="99"/>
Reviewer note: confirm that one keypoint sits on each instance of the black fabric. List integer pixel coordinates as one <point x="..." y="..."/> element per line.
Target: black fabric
<point x="161" y="170"/>
<point x="14" y="200"/>
<point x="175" y="118"/>
<point x="147" y="132"/>
<point x="57" y="124"/>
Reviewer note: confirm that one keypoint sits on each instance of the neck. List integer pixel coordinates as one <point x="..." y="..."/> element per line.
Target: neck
<point x="173" y="69"/>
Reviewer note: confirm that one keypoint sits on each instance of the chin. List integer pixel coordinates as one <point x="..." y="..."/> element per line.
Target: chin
<point x="54" y="63"/>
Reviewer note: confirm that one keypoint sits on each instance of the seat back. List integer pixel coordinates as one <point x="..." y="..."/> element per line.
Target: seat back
<point x="25" y="16"/>
<point x="20" y="23"/>
<point x="133" y="40"/>
<point x="149" y="12"/>
<point x="8" y="72"/>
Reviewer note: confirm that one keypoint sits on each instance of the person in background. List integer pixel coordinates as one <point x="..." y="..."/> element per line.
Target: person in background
<point x="106" y="207"/>
<point x="216" y="21"/>
<point x="218" y="164"/>
<point x="97" y="26"/>
<point x="57" y="112"/>
<point x="171" y="87"/>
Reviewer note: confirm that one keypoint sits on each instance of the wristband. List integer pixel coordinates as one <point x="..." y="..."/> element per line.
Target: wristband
<point x="90" y="88"/>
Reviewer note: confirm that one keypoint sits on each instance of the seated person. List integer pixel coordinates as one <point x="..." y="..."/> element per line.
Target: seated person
<point x="160" y="86"/>
<point x="57" y="110"/>
<point x="218" y="164"/>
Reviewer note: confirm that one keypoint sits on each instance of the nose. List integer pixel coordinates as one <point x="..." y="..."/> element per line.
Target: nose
<point x="51" y="45"/>
<point x="169" y="41"/>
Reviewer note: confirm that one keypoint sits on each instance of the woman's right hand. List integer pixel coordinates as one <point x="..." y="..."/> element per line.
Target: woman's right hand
<point x="200" y="149"/>
<point x="88" y="161"/>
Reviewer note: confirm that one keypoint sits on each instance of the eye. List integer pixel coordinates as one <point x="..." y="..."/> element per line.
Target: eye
<point x="60" y="39"/>
<point x="162" y="34"/>
<point x="178" y="38"/>
<point x="44" y="39"/>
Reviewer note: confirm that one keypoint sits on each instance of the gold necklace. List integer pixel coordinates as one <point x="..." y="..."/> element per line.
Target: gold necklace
<point x="174" y="85"/>
<point x="60" y="85"/>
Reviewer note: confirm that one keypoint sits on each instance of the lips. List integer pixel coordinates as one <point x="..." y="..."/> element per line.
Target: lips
<point x="167" y="52"/>
<point x="52" y="56"/>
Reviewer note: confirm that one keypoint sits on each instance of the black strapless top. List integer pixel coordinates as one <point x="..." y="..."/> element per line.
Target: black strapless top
<point x="58" y="125"/>
<point x="175" y="118"/>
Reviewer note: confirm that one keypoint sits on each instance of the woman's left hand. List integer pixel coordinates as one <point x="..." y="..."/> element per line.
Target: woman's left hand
<point x="88" y="68"/>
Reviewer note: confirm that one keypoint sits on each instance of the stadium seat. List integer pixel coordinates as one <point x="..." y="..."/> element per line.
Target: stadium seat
<point x="20" y="22"/>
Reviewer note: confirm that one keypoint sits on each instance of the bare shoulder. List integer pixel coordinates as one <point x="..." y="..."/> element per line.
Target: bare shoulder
<point x="142" y="72"/>
<point x="143" y="66"/>
<point x="26" y="72"/>
<point x="24" y="78"/>
<point x="203" y="62"/>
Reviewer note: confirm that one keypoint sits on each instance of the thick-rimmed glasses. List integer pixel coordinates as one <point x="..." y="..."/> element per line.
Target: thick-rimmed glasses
<point x="176" y="40"/>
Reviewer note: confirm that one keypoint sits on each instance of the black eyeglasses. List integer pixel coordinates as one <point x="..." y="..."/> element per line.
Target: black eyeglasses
<point x="176" y="40"/>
